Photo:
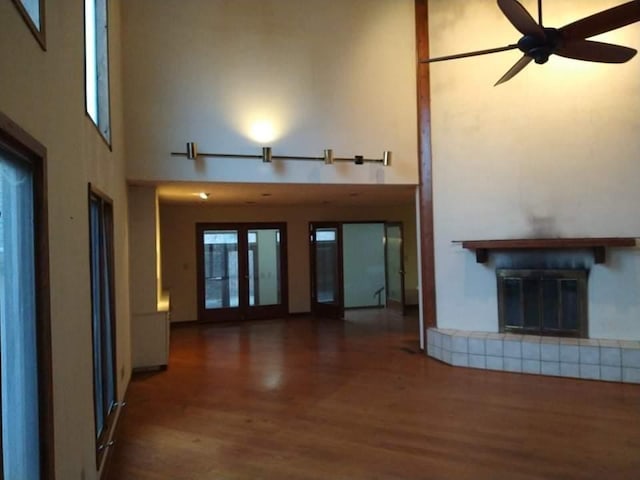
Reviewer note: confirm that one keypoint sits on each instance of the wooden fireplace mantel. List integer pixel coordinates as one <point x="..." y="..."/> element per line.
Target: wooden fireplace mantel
<point x="597" y="245"/>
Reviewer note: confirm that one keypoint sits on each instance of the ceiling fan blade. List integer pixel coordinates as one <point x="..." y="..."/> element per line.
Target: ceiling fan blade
<point x="470" y="54"/>
<point x="513" y="71"/>
<point x="596" y="51"/>
<point x="520" y="18"/>
<point x="602" y="22"/>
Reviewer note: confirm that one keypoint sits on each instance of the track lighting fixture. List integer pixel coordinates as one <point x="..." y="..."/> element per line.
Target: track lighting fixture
<point x="267" y="156"/>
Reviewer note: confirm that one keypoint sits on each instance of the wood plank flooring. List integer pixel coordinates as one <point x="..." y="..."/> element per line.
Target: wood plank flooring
<point x="324" y="399"/>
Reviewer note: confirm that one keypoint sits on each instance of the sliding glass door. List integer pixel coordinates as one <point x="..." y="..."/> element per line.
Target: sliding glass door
<point x="241" y="271"/>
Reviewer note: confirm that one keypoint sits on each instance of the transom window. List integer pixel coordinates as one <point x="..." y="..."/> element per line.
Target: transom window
<point x="33" y="13"/>
<point x="96" y="18"/>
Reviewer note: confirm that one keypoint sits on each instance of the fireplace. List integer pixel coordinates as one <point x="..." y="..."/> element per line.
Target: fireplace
<point x="543" y="302"/>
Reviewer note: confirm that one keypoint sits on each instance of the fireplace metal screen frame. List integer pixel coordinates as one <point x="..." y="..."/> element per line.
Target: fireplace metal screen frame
<point x="580" y="276"/>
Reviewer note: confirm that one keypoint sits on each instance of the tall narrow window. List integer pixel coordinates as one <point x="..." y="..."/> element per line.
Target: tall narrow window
<point x="33" y="13"/>
<point x="25" y="365"/>
<point x="103" y="318"/>
<point x="97" y="65"/>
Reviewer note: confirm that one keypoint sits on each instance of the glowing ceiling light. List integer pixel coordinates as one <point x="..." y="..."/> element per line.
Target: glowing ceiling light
<point x="203" y="195"/>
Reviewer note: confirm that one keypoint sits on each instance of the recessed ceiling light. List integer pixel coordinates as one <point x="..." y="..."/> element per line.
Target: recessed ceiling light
<point x="204" y="195"/>
<point x="266" y="194"/>
<point x="354" y="194"/>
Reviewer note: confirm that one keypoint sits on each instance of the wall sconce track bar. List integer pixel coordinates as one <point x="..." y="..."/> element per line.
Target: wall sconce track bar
<point x="192" y="153"/>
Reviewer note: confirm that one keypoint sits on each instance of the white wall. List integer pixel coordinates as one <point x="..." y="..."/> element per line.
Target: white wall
<point x="149" y="325"/>
<point x="323" y="73"/>
<point x="143" y="261"/>
<point x="178" y="245"/>
<point x="555" y="152"/>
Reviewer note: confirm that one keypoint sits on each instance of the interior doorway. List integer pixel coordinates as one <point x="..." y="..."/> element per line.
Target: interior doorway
<point x="356" y="265"/>
<point x="394" y="267"/>
<point x="327" y="294"/>
<point x="242" y="271"/>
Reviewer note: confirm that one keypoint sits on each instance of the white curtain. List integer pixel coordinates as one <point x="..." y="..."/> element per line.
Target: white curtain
<point x="18" y="347"/>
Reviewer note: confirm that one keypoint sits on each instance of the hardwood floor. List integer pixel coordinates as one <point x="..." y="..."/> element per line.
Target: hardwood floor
<point x="305" y="399"/>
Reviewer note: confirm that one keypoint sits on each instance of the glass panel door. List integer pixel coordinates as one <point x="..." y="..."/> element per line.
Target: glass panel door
<point x="327" y="273"/>
<point x="263" y="259"/>
<point x="327" y="298"/>
<point x="221" y="269"/>
<point x="241" y="271"/>
<point x="394" y="266"/>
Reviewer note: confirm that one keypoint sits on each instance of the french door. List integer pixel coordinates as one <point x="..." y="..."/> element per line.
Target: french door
<point x="327" y="296"/>
<point x="242" y="271"/>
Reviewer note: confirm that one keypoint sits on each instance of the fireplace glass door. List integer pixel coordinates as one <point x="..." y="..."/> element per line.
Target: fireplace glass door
<point x="543" y="302"/>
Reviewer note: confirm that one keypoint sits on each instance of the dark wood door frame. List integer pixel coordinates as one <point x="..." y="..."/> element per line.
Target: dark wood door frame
<point x="243" y="311"/>
<point x="393" y="304"/>
<point x="427" y="267"/>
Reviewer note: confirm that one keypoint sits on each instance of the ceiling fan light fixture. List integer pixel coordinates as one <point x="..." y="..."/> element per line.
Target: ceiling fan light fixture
<point x="538" y="43"/>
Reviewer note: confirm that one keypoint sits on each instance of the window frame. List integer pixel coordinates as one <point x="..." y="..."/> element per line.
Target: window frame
<point x="18" y="142"/>
<point x="108" y="420"/>
<point x="40" y="34"/>
<point x="106" y="138"/>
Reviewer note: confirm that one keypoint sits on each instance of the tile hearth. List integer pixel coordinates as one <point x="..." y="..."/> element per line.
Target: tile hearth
<point x="592" y="359"/>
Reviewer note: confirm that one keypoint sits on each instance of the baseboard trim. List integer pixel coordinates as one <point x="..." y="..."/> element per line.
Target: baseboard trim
<point x="192" y="323"/>
<point x="365" y="307"/>
<point x="188" y="323"/>
<point x="155" y="368"/>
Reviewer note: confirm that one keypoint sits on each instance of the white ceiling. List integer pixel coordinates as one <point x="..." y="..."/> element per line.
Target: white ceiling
<point x="266" y="194"/>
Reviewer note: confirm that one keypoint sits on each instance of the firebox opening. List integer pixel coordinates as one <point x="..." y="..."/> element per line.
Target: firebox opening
<point x="543" y="302"/>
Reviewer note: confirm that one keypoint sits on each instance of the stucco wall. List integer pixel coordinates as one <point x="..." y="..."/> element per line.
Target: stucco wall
<point x="555" y="152"/>
<point x="44" y="93"/>
<point x="322" y="73"/>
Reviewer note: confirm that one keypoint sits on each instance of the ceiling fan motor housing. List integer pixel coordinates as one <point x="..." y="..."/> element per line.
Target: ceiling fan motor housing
<point x="540" y="48"/>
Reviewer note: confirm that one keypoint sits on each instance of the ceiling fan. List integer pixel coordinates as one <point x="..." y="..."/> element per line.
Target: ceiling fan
<point x="539" y="42"/>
